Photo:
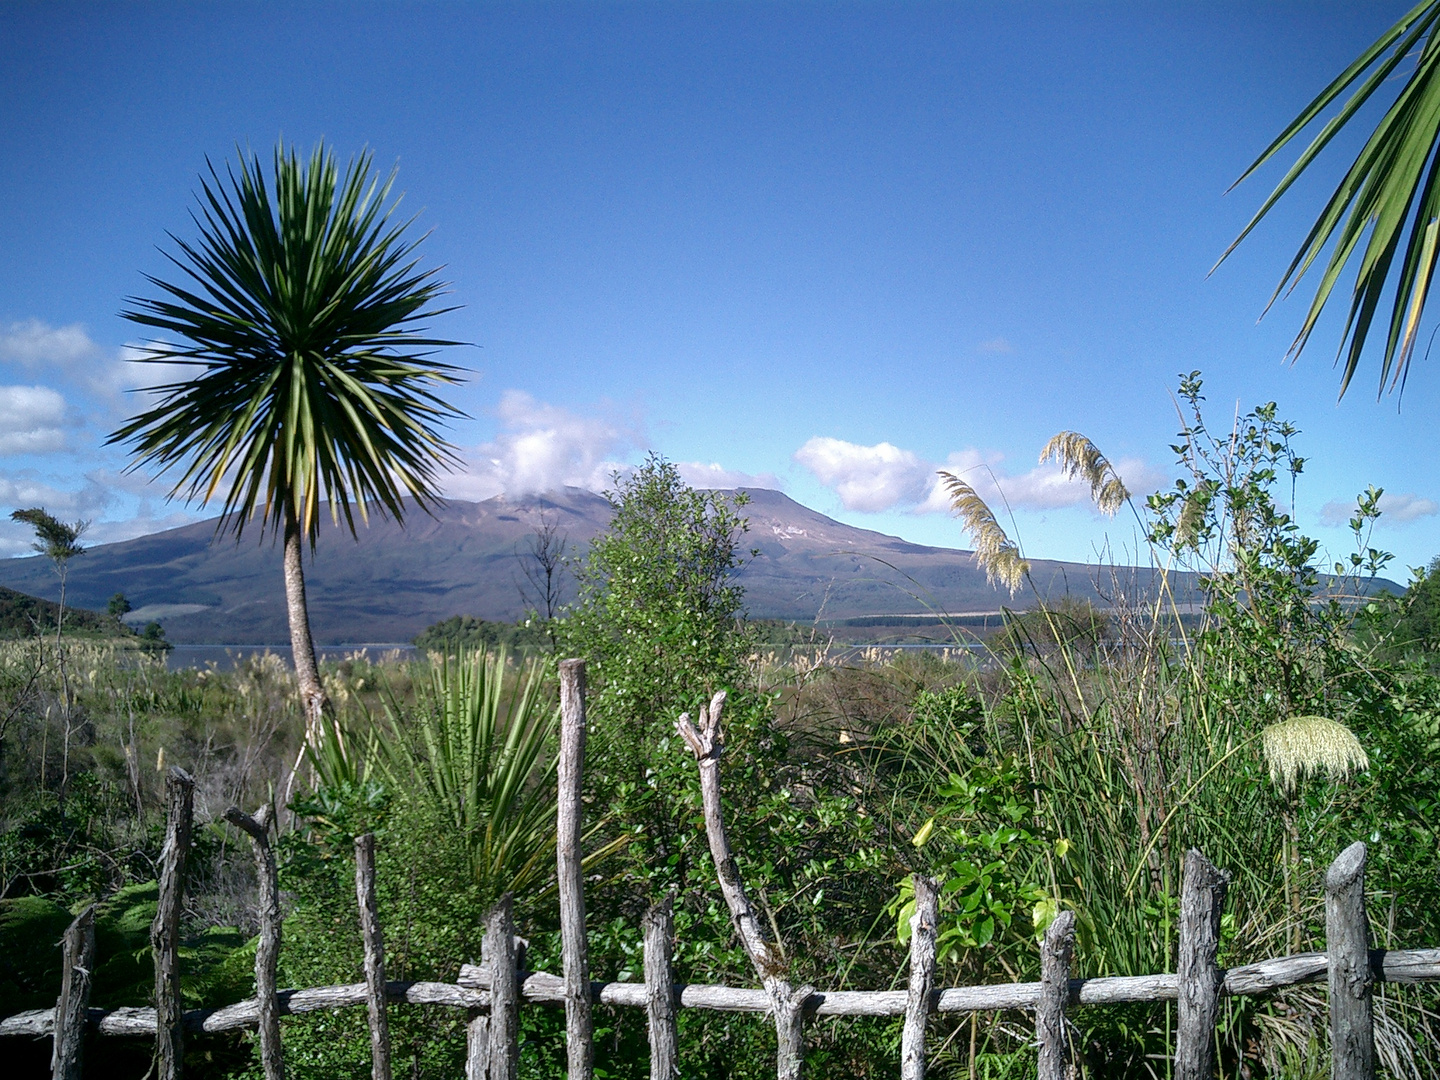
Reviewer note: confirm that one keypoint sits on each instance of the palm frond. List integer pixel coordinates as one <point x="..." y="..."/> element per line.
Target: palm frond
<point x="300" y="311"/>
<point x="1081" y="459"/>
<point x="996" y="553"/>
<point x="1386" y="204"/>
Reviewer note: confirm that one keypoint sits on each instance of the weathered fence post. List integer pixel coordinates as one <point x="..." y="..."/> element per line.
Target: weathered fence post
<point x="1202" y="902"/>
<point x="374" y="957"/>
<point x="1347" y="946"/>
<point x="787" y="1002"/>
<point x="477" y="1046"/>
<point x="71" y="1010"/>
<point x="922" y="978"/>
<point x="579" y="1028"/>
<point x="165" y="930"/>
<point x="267" y="951"/>
<point x="497" y="953"/>
<point x="1055" y="951"/>
<point x="659" y="926"/>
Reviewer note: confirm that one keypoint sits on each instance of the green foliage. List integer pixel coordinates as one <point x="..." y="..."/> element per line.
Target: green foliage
<point x="22" y="615"/>
<point x="30" y="930"/>
<point x="1075" y="623"/>
<point x="463" y="634"/>
<point x="54" y="539"/>
<point x="982" y="835"/>
<point x="658" y="612"/>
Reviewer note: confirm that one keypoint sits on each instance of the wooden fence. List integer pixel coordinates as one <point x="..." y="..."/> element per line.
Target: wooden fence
<point x="492" y="992"/>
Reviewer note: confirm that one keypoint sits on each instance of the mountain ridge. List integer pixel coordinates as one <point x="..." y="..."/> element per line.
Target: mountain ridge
<point x="465" y="560"/>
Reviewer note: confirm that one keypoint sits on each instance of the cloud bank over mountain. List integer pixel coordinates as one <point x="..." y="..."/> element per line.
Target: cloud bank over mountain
<point x="873" y="479"/>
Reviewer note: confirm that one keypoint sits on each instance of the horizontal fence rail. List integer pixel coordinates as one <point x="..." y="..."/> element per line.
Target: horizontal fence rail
<point x="491" y="992"/>
<point x="1402" y="966"/>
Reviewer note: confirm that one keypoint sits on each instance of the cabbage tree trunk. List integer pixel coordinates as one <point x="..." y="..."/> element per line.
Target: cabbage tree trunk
<point x="302" y="646"/>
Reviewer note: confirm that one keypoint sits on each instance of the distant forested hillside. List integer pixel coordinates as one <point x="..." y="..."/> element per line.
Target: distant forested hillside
<point x="21" y="615"/>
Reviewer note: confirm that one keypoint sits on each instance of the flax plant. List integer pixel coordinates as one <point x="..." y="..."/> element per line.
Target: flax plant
<point x="476" y="751"/>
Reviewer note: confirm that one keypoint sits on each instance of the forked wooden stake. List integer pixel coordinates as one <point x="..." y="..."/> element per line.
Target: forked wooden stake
<point x="267" y="951"/>
<point x="787" y="1002"/>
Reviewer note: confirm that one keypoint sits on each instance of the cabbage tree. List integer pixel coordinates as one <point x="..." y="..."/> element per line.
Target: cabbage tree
<point x="299" y="309"/>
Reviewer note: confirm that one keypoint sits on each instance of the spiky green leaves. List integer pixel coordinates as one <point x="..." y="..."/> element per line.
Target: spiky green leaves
<point x="997" y="554"/>
<point x="300" y="311"/>
<point x="1081" y="459"/>
<point x="1302" y="745"/>
<point x="1391" y="192"/>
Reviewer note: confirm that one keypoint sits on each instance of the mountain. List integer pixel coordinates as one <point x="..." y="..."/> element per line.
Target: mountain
<point x="466" y="560"/>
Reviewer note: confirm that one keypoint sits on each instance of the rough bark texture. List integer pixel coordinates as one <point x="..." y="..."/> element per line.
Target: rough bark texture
<point x="165" y="930"/>
<point x="659" y="936"/>
<point x="769" y="962"/>
<point x="1352" y="1035"/>
<point x="73" y="1008"/>
<point x="302" y="646"/>
<point x="374" y="957"/>
<point x="477" y="1047"/>
<point x="579" y="1029"/>
<point x="267" y="951"/>
<point x="1202" y="902"/>
<point x="498" y="954"/>
<point x="1055" y="952"/>
<point x="922" y="978"/>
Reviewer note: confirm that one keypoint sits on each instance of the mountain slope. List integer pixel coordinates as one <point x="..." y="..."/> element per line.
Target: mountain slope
<point x="393" y="582"/>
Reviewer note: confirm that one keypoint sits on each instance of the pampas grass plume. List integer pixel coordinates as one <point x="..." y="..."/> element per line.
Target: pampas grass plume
<point x="1303" y="745"/>
<point x="1081" y="459"/>
<point x="996" y="553"/>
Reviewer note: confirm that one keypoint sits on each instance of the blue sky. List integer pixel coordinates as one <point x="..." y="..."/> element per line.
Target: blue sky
<point x="822" y="246"/>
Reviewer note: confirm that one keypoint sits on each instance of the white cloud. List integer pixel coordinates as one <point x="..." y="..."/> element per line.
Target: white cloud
<point x="867" y="478"/>
<point x="544" y="447"/>
<point x="37" y="346"/>
<point x="883" y="477"/>
<point x="24" y="489"/>
<point x="66" y="356"/>
<point x="714" y="475"/>
<point x="1399" y="509"/>
<point x="31" y="420"/>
